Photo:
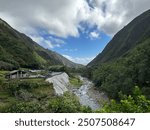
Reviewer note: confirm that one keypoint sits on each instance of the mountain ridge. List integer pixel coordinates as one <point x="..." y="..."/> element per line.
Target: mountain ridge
<point x="126" y="39"/>
<point x="124" y="63"/>
<point x="19" y="50"/>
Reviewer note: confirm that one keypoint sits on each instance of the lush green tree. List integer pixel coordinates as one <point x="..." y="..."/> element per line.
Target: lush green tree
<point x="137" y="103"/>
<point x="24" y="107"/>
<point x="124" y="73"/>
<point x="67" y="103"/>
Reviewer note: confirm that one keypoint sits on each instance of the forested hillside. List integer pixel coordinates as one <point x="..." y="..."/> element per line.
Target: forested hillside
<point x="18" y="50"/>
<point x="125" y="40"/>
<point x="125" y="62"/>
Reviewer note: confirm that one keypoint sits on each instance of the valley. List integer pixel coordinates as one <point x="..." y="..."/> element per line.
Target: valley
<point x="89" y="96"/>
<point x="59" y="84"/>
<point x="34" y="79"/>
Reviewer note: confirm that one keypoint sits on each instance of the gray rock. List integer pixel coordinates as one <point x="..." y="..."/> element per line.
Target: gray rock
<point x="60" y="83"/>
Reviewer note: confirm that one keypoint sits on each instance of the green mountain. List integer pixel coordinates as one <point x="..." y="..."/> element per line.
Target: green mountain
<point x="125" y="62"/>
<point x="18" y="50"/>
<point x="130" y="36"/>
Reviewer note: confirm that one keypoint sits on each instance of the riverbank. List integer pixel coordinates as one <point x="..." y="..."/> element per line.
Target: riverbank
<point x="89" y="96"/>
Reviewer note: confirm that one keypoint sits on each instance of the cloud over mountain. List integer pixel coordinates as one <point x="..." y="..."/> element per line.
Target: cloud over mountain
<point x="63" y="17"/>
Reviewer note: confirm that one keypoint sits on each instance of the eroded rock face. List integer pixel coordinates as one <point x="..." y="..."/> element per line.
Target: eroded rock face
<point x="60" y="83"/>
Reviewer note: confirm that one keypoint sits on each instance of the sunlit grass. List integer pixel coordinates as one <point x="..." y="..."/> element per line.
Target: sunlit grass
<point x="75" y="82"/>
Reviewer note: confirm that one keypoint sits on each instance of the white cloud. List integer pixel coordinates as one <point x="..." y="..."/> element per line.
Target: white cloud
<point x="63" y="17"/>
<point x="56" y="40"/>
<point x="43" y="42"/>
<point x="80" y="60"/>
<point x="94" y="35"/>
<point x="47" y="42"/>
<point x="57" y="17"/>
<point x="111" y="15"/>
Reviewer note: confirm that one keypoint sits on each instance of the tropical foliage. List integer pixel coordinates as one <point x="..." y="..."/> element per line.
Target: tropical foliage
<point x="136" y="103"/>
<point x="122" y="74"/>
<point x="35" y="95"/>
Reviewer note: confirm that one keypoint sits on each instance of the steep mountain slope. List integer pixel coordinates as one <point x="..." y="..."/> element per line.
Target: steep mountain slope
<point x="122" y="74"/>
<point x="125" y="62"/>
<point x="18" y="50"/>
<point x="126" y="39"/>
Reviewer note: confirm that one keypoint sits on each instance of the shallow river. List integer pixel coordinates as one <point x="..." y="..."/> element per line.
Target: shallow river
<point x="88" y="95"/>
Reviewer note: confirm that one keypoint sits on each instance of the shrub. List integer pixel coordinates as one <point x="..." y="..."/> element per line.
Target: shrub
<point x="137" y="103"/>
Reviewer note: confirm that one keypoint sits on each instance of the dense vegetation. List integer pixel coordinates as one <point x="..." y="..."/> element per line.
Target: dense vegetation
<point x="67" y="103"/>
<point x="123" y="64"/>
<point x="123" y="74"/>
<point x="18" y="50"/>
<point x="135" y="103"/>
<point x="35" y="95"/>
<point x="75" y="81"/>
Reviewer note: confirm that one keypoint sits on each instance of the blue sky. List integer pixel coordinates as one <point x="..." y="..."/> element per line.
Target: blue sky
<point x="77" y="29"/>
<point x="83" y="47"/>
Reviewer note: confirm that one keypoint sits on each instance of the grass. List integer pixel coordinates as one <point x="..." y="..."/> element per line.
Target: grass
<point x="75" y="82"/>
<point x="38" y="89"/>
<point x="33" y="80"/>
<point x="5" y="99"/>
<point x="45" y="91"/>
<point x="3" y="73"/>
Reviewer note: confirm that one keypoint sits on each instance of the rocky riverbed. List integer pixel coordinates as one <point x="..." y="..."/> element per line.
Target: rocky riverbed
<point x="87" y="93"/>
<point x="89" y="96"/>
